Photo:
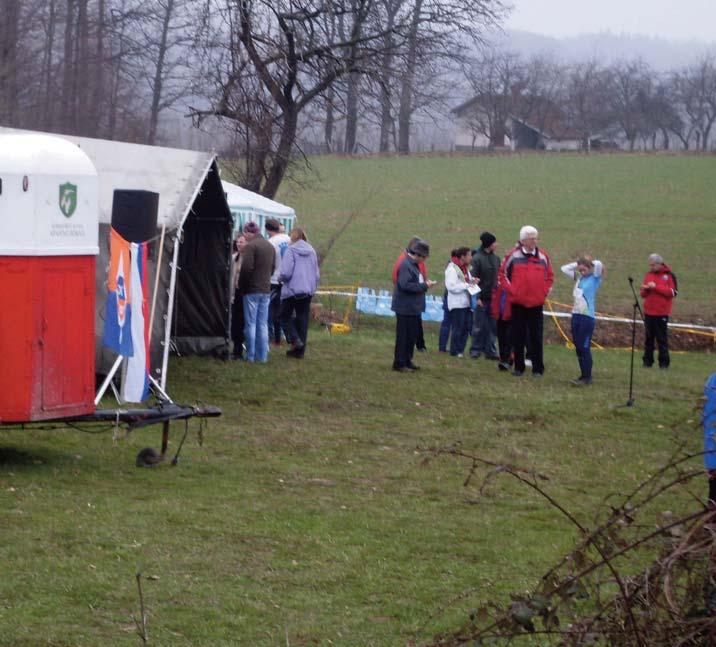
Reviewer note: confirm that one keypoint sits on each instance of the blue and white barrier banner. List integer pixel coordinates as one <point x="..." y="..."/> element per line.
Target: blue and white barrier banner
<point x="377" y="302"/>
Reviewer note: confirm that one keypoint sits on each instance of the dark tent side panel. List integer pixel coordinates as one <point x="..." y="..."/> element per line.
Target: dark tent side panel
<point x="201" y="320"/>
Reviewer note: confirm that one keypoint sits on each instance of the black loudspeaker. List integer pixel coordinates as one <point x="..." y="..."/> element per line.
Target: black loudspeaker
<point x="134" y="214"/>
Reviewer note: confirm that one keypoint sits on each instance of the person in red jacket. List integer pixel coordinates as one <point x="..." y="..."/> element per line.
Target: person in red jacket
<point x="527" y="276"/>
<point x="501" y="312"/>
<point x="658" y="291"/>
<point x="420" y="342"/>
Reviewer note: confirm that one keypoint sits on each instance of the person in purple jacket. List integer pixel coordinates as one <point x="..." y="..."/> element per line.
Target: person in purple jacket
<point x="299" y="275"/>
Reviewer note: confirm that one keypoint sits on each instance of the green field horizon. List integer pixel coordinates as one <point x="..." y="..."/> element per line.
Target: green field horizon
<point x="361" y="212"/>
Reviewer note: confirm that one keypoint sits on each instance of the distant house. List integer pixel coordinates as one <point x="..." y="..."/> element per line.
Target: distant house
<point x="514" y="122"/>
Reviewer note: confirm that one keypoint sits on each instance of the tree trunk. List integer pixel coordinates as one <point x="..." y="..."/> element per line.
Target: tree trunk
<point x="98" y="89"/>
<point x="707" y="133"/>
<point x="283" y="151"/>
<point x="330" y="121"/>
<point x="386" y="80"/>
<point x="9" y="37"/>
<point x="82" y="72"/>
<point x="405" y="112"/>
<point x="349" y="144"/>
<point x="159" y="73"/>
<point x="47" y="102"/>
<point x="665" y="139"/>
<point x="68" y="99"/>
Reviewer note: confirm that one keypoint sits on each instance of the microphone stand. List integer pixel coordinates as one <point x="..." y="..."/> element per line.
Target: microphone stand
<point x="636" y="307"/>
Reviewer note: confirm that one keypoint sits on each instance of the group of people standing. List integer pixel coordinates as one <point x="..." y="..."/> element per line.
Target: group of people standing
<point x="500" y="302"/>
<point x="274" y="280"/>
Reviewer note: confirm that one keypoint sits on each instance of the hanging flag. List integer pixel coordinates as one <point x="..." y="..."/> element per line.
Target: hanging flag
<point x="118" y="314"/>
<point x="135" y="386"/>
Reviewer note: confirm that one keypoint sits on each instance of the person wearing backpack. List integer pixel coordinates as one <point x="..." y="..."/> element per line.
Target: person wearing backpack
<point x="658" y="290"/>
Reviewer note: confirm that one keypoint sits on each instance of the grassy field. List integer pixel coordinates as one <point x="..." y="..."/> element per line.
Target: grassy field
<point x="310" y="516"/>
<point x="619" y="208"/>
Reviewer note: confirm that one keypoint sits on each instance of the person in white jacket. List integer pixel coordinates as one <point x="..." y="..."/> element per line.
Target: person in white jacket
<point x="458" y="284"/>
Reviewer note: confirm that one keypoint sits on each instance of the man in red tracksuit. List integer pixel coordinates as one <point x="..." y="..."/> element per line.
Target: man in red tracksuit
<point x="527" y="276"/>
<point x="658" y="291"/>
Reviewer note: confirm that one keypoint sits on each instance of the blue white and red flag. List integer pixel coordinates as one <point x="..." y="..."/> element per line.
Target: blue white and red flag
<point x="135" y="386"/>
<point x="118" y="314"/>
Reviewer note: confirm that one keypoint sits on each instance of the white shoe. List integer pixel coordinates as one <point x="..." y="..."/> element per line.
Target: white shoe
<point x="528" y="362"/>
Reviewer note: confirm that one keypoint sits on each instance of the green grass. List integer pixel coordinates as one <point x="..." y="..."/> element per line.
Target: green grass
<point x="309" y="515"/>
<point x="619" y="208"/>
<point x="308" y="511"/>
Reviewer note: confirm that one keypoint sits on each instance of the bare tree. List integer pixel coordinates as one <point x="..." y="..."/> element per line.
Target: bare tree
<point x="287" y="48"/>
<point x="494" y="79"/>
<point x="439" y="31"/>
<point x="694" y="89"/>
<point x="585" y="100"/>
<point x="628" y="85"/>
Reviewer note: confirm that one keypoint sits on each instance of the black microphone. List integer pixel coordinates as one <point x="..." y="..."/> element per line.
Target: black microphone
<point x="631" y="280"/>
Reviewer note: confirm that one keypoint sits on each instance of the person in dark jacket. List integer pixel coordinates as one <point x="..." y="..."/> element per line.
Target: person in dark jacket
<point x="527" y="276"/>
<point x="299" y="277"/>
<point x="257" y="264"/>
<point x="420" y="343"/>
<point x="658" y="290"/>
<point x="237" y="301"/>
<point x="485" y="267"/>
<point x="408" y="304"/>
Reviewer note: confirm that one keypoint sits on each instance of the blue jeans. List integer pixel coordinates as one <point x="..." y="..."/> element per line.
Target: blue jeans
<point x="582" y="331"/>
<point x="484" y="332"/>
<point x="461" y="320"/>
<point x="256" y="307"/>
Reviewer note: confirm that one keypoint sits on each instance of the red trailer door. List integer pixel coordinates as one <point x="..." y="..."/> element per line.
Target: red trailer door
<point x="67" y="334"/>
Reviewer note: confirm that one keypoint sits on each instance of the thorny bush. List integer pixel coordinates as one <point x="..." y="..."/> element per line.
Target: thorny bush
<point x="640" y="577"/>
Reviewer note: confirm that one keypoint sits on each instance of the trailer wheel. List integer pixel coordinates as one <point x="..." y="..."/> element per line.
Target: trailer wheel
<point x="148" y="457"/>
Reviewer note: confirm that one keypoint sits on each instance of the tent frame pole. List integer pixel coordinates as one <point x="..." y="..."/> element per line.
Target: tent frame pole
<point x="170" y="307"/>
<point x="108" y="379"/>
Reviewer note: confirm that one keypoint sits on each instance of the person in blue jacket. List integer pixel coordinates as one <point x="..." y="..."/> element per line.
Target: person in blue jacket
<point x="587" y="276"/>
<point x="708" y="418"/>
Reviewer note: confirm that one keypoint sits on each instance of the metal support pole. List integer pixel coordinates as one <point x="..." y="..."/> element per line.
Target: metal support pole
<point x="108" y="379"/>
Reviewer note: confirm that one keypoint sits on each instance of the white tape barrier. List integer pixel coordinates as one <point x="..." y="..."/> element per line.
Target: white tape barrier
<point x="563" y="315"/>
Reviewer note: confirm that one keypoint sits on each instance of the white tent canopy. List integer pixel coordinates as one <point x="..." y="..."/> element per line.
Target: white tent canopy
<point x="246" y="205"/>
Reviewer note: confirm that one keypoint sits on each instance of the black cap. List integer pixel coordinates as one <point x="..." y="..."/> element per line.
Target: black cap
<point x="487" y="239"/>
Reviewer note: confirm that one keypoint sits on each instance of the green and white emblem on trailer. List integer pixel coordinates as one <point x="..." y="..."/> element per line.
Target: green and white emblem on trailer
<point x="68" y="198"/>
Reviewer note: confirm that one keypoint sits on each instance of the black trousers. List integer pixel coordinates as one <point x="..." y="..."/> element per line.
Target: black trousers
<point x="504" y="339"/>
<point x="295" y="313"/>
<point x="406" y="334"/>
<point x="237" y="324"/>
<point x="460" y="324"/>
<point x="527" y="327"/>
<point x="656" y="331"/>
<point x="420" y="341"/>
<point x="274" y="318"/>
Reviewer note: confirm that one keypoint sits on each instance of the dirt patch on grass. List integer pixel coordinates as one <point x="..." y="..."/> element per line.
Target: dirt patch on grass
<point x="618" y="335"/>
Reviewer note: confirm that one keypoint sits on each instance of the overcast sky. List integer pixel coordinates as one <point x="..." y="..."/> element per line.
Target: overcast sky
<point x="672" y="19"/>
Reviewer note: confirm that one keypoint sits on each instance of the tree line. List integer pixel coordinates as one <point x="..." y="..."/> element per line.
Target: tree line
<point x="283" y="78"/>
<point x="626" y="101"/>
